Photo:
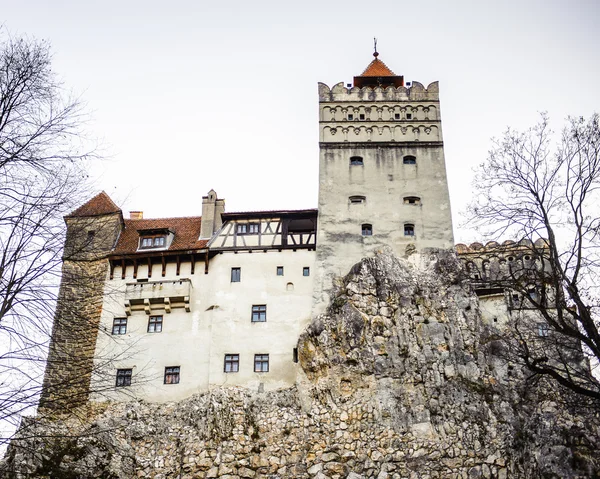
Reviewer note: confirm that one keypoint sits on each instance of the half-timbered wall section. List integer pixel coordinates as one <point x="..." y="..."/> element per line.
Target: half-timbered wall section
<point x="266" y="230"/>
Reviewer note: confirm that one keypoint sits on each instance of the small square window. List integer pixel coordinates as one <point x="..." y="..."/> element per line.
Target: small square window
<point x="123" y="377"/>
<point x="350" y="116"/>
<point x="259" y="313"/>
<point x="367" y="230"/>
<point x="279" y="270"/>
<point x="155" y="324"/>
<point x="409" y="116"/>
<point x="409" y="230"/>
<point x="253" y="228"/>
<point x="396" y="116"/>
<point x="362" y="116"/>
<point x="236" y="275"/>
<point x="306" y="271"/>
<point x="356" y="161"/>
<point x="241" y="229"/>
<point x="261" y="363"/>
<point x="119" y="326"/>
<point x="232" y="363"/>
<point x="543" y="330"/>
<point x="172" y="375"/>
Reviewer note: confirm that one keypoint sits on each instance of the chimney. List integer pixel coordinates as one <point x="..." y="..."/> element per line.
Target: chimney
<point x="211" y="214"/>
<point x="136" y="215"/>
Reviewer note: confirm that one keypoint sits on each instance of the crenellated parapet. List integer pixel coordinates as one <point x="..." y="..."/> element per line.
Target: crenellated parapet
<point x="496" y="268"/>
<point x="416" y="92"/>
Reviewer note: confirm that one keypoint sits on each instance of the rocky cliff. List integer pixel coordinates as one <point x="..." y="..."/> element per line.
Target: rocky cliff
<point x="400" y="380"/>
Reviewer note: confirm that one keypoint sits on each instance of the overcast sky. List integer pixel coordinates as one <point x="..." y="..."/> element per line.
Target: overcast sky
<point x="192" y="95"/>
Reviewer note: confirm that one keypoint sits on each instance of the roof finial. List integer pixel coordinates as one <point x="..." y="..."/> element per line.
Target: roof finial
<point x="375" y="54"/>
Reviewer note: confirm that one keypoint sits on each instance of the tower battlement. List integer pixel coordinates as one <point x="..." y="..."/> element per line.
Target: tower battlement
<point x="416" y="92"/>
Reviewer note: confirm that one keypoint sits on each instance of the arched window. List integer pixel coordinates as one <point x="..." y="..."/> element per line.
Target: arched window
<point x="412" y="200"/>
<point x="356" y="161"/>
<point x="410" y="160"/>
<point x="409" y="229"/>
<point x="355" y="200"/>
<point x="367" y="229"/>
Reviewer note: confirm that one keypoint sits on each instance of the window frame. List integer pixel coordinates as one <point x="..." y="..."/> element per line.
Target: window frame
<point x="153" y="321"/>
<point x="153" y="239"/>
<point x="261" y="360"/>
<point x="172" y="375"/>
<point x="409" y="230"/>
<point x="409" y="160"/>
<point x="232" y="360"/>
<point x="306" y="271"/>
<point x="357" y="199"/>
<point x="123" y="378"/>
<point x="242" y="229"/>
<point x="366" y="229"/>
<point x="412" y="200"/>
<point x="357" y="161"/>
<point x="120" y="327"/>
<point x="236" y="274"/>
<point x="259" y="313"/>
<point x="279" y="271"/>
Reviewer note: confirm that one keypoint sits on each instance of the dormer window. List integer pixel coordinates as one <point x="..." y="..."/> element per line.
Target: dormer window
<point x="152" y="241"/>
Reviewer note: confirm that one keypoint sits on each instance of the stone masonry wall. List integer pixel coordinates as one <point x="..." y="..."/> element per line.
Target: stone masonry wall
<point x="401" y="380"/>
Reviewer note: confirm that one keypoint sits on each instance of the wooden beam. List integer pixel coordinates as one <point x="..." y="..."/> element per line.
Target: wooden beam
<point x="135" y="267"/>
<point x="178" y="265"/>
<point x="149" y="267"/>
<point x="164" y="265"/>
<point x="112" y="269"/>
<point x="206" y="262"/>
<point x="193" y="263"/>
<point x="122" y="269"/>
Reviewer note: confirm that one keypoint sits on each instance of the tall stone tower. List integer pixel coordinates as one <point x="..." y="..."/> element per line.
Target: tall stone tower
<point x="382" y="175"/>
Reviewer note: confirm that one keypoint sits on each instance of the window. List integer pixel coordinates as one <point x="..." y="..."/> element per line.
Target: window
<point x="236" y="275"/>
<point x="396" y="116"/>
<point x="367" y="230"/>
<point x="350" y="116"/>
<point x="356" y="200"/>
<point x="409" y="116"/>
<point x="155" y="324"/>
<point x="362" y="116"/>
<point x="247" y="228"/>
<point x="123" y="377"/>
<point x="295" y="354"/>
<point x="261" y="363"/>
<point x="533" y="294"/>
<point x="412" y="200"/>
<point x="410" y="160"/>
<point x="119" y="326"/>
<point x="543" y="330"/>
<point x="156" y="241"/>
<point x="409" y="229"/>
<point x="232" y="363"/>
<point x="279" y="270"/>
<point x="356" y="161"/>
<point x="306" y="271"/>
<point x="172" y="375"/>
<point x="259" y="313"/>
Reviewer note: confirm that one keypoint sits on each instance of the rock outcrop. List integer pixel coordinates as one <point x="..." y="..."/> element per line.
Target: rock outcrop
<point x="400" y="380"/>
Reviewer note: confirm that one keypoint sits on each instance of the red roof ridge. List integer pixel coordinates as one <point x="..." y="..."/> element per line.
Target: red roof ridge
<point x="101" y="204"/>
<point x="166" y="218"/>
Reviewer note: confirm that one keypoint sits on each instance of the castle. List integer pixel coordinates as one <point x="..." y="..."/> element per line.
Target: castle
<point x="164" y="308"/>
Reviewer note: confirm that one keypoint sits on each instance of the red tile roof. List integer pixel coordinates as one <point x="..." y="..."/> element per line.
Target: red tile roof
<point x="101" y="204"/>
<point x="377" y="69"/>
<point x="186" y="229"/>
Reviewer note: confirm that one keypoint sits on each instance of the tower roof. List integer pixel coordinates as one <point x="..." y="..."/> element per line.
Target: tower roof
<point x="101" y="204"/>
<point x="377" y="73"/>
<point x="377" y="69"/>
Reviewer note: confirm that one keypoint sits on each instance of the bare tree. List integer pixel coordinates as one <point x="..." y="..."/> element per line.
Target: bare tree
<point x="535" y="185"/>
<point x="42" y="173"/>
